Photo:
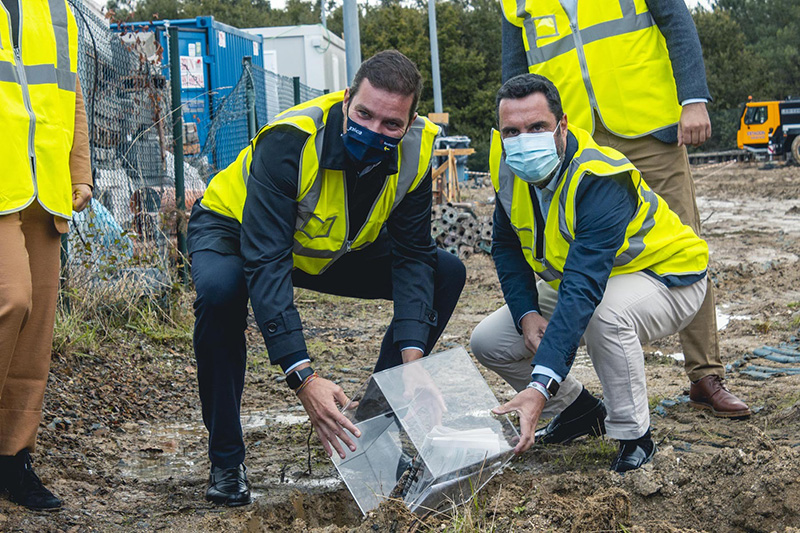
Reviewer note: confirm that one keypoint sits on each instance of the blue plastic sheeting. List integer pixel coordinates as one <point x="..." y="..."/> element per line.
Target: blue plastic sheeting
<point x="96" y="237"/>
<point x="784" y="354"/>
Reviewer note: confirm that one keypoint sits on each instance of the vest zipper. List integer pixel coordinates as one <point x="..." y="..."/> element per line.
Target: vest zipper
<point x="27" y="100"/>
<point x="576" y="35"/>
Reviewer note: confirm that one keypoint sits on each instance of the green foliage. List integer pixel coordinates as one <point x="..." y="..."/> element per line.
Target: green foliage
<point x="751" y="48"/>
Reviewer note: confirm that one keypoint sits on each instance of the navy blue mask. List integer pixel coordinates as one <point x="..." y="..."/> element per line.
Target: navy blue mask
<point x="367" y="147"/>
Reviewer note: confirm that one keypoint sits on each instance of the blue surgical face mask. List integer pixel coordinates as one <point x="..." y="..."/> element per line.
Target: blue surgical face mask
<point x="533" y="156"/>
<point x="366" y="146"/>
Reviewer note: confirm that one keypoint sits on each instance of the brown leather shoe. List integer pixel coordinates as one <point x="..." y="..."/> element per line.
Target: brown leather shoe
<point x="711" y="393"/>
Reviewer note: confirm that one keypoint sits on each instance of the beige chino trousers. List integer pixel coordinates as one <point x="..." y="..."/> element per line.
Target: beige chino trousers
<point x="665" y="168"/>
<point x="635" y="308"/>
<point x="30" y="248"/>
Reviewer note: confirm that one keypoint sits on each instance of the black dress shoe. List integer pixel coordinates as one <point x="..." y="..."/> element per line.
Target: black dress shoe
<point x="23" y="485"/>
<point x="229" y="486"/>
<point x="633" y="454"/>
<point x="568" y="426"/>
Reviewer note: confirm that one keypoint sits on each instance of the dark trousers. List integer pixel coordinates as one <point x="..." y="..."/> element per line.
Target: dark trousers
<point x="221" y="320"/>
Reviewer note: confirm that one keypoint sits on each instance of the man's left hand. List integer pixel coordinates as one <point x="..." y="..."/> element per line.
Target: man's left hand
<point x="529" y="405"/>
<point x="695" y="126"/>
<point x="81" y="194"/>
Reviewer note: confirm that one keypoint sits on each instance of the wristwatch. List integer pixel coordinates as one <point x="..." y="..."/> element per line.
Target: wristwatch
<point x="296" y="378"/>
<point x="550" y="384"/>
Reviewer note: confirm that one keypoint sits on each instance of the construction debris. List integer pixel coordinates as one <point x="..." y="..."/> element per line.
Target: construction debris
<point x="456" y="228"/>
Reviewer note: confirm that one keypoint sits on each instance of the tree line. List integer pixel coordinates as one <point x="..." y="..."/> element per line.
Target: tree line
<point x="751" y="48"/>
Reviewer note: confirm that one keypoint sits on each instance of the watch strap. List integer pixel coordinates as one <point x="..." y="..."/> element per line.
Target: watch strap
<point x="549" y="383"/>
<point x="296" y="378"/>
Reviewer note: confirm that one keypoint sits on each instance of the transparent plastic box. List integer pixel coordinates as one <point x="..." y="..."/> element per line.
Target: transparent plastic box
<point x="428" y="436"/>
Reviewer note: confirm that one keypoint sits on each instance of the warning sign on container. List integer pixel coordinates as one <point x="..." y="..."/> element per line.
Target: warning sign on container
<point x="192" y="75"/>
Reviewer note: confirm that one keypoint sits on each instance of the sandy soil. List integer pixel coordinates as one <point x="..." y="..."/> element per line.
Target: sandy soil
<point x="122" y="440"/>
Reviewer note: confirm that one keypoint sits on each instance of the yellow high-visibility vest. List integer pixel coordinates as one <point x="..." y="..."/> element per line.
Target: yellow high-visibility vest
<point x="612" y="60"/>
<point x="655" y="239"/>
<point x="37" y="91"/>
<point x="322" y="225"/>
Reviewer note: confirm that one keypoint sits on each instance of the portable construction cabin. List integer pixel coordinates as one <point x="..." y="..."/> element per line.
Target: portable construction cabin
<point x="310" y="52"/>
<point x="211" y="55"/>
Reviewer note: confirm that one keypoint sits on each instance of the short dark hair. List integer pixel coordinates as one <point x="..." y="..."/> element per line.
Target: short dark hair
<point x="391" y="71"/>
<point x="524" y="84"/>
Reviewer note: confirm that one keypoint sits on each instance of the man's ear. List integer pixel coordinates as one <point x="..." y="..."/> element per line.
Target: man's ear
<point x="346" y="99"/>
<point x="410" y="122"/>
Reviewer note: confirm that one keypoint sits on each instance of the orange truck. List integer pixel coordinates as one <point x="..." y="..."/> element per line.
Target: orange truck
<point x="771" y="128"/>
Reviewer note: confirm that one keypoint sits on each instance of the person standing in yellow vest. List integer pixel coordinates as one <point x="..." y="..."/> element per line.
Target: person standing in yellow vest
<point x="616" y="268"/>
<point x="631" y="73"/>
<point x="334" y="195"/>
<point x="46" y="175"/>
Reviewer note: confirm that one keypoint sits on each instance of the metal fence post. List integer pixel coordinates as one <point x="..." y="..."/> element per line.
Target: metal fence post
<point x="296" y="83"/>
<point x="249" y="95"/>
<point x="177" y="147"/>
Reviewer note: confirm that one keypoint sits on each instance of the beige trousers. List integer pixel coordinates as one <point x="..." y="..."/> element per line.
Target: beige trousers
<point x="29" y="270"/>
<point x="665" y="168"/>
<point x="635" y="308"/>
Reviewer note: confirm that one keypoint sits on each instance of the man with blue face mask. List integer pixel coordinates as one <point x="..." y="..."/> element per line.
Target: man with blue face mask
<point x="616" y="268"/>
<point x="335" y="196"/>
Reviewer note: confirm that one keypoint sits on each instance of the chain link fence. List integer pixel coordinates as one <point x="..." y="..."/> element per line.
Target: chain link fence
<point x="124" y="244"/>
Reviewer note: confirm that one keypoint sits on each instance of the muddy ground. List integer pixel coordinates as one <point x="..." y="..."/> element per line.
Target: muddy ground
<point x="122" y="443"/>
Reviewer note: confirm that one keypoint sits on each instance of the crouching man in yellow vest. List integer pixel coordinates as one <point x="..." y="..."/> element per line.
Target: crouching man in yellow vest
<point x="616" y="268"/>
<point x="335" y="196"/>
<point x="46" y="175"/>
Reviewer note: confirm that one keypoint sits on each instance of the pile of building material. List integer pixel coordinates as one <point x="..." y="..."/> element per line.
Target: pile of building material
<point x="457" y="229"/>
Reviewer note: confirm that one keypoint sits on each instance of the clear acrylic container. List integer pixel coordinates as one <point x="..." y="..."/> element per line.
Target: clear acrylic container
<point x="428" y="436"/>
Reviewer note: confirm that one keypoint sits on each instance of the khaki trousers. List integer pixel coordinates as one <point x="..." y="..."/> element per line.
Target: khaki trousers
<point x="665" y="168"/>
<point x="29" y="270"/>
<point x="635" y="308"/>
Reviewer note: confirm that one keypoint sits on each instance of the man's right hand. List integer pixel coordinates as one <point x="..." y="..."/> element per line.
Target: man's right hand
<point x="322" y="400"/>
<point x="533" y="326"/>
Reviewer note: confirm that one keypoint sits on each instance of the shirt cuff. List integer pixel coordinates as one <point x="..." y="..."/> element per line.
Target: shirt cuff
<point x="694" y="101"/>
<point x="289" y="362"/>
<point x="295" y="365"/>
<point x="519" y="324"/>
<point x="412" y="345"/>
<point x="540" y="369"/>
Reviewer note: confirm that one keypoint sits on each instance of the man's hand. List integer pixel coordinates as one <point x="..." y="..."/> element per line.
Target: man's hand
<point x="322" y="400"/>
<point x="81" y="194"/>
<point x="695" y="126"/>
<point x="533" y="326"/>
<point x="528" y="404"/>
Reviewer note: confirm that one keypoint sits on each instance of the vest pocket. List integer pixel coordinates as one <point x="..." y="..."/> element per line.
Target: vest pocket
<point x="544" y="27"/>
<point x="316" y="228"/>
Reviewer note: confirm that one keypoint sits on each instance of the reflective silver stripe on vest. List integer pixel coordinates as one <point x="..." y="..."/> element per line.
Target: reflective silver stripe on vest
<point x="40" y="74"/>
<point x="246" y="167"/>
<point x="313" y="112"/>
<point x="629" y="23"/>
<point x="636" y="241"/>
<point x="8" y="72"/>
<point x="587" y="155"/>
<point x="412" y="146"/>
<point x="306" y="206"/>
<point x="64" y="75"/>
<point x="505" y="195"/>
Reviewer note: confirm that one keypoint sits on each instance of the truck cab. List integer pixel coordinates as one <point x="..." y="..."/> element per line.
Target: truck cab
<point x="771" y="127"/>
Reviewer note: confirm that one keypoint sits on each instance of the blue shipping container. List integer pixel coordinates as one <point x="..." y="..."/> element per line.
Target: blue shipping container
<point x="211" y="66"/>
